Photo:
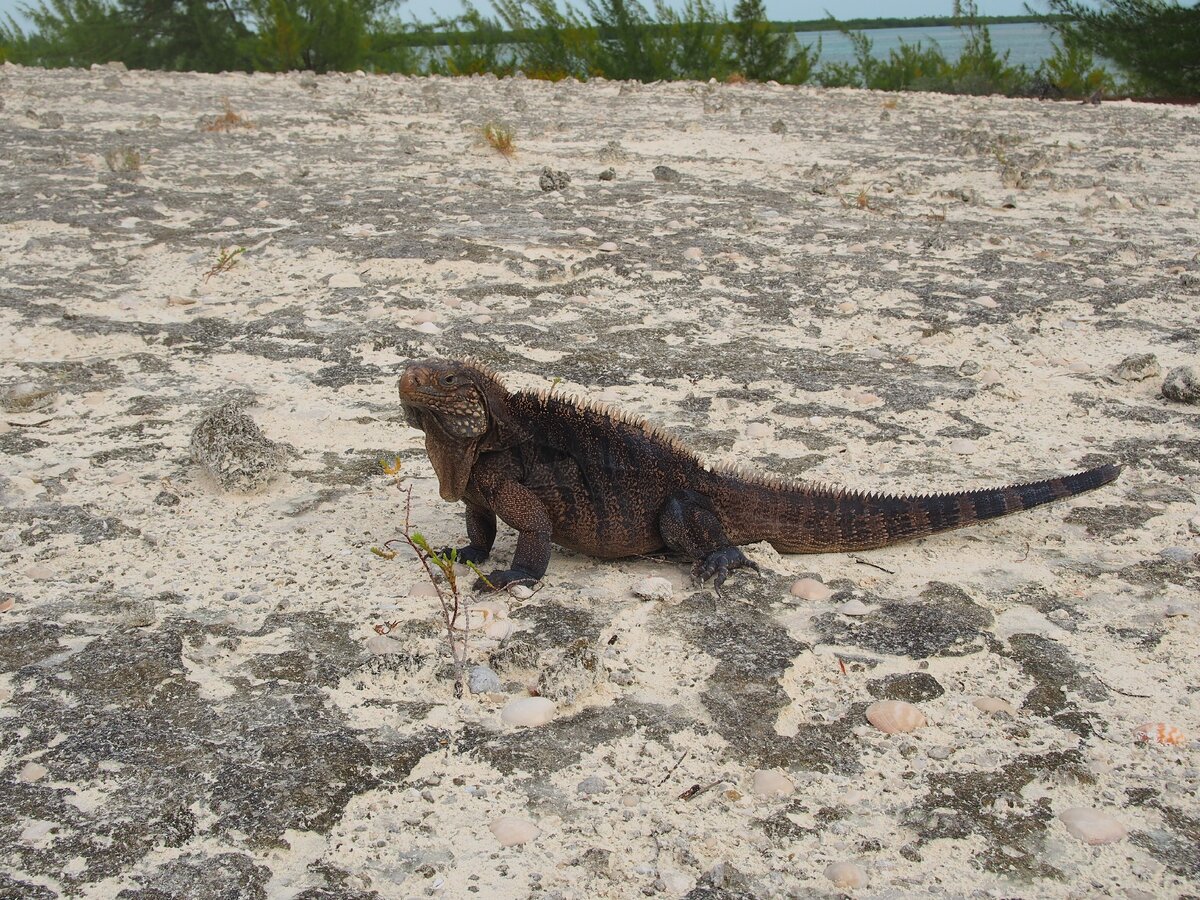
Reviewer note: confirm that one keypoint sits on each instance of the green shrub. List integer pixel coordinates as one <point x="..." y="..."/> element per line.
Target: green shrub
<point x="1072" y="70"/>
<point x="1157" y="43"/>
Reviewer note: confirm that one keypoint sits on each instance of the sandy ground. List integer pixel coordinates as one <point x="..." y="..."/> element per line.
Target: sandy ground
<point x="900" y="292"/>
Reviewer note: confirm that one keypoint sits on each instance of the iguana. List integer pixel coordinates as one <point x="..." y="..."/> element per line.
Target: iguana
<point x="607" y="484"/>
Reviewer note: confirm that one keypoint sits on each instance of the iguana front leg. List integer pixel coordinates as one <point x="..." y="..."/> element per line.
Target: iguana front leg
<point x="481" y="532"/>
<point x="520" y="508"/>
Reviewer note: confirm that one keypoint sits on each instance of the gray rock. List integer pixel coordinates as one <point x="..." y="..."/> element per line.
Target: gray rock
<point x="553" y="180"/>
<point x="915" y="687"/>
<point x="1182" y="385"/>
<point x="51" y="120"/>
<point x="138" y="614"/>
<point x="779" y="127"/>
<point x="593" y="784"/>
<point x="231" y="448"/>
<point x="1180" y="555"/>
<point x="667" y="174"/>
<point x="27" y="397"/>
<point x="1138" y="367"/>
<point x="608" y="174"/>
<point x="482" y="680"/>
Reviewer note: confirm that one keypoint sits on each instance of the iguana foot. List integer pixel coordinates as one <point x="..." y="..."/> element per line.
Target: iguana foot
<point x="466" y="554"/>
<point x="502" y="578"/>
<point x="720" y="563"/>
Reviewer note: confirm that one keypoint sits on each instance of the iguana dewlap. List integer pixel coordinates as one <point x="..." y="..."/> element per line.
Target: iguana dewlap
<point x="592" y="479"/>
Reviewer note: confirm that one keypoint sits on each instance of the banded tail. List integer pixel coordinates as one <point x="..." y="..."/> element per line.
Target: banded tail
<point x="805" y="519"/>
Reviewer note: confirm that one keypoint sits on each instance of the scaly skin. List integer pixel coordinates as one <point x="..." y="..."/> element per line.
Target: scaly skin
<point x="595" y="480"/>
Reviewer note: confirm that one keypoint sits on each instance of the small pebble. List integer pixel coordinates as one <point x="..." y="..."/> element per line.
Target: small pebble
<point x="382" y="645"/>
<point x="772" y="783"/>
<point x="39" y="573"/>
<point x="593" y="784"/>
<point x="963" y="446"/>
<point x="528" y="711"/>
<point x="994" y="706"/>
<point x="693" y="253"/>
<point x="608" y="174"/>
<point x="1092" y="826"/>
<point x="855" y="607"/>
<point x="666" y="173"/>
<point x="1094" y="282"/>
<point x="607" y="247"/>
<point x="810" y="589"/>
<point x="482" y="680"/>
<point x="939" y="752"/>
<point x="654" y="588"/>
<point x="520" y="591"/>
<point x="895" y="716"/>
<point x="675" y="883"/>
<point x="846" y="874"/>
<point x="345" y="280"/>
<point x="986" y="302"/>
<point x="511" y="831"/>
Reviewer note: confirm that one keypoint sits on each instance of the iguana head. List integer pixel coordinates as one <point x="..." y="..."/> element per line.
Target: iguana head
<point x="463" y="410"/>
<point x="451" y="393"/>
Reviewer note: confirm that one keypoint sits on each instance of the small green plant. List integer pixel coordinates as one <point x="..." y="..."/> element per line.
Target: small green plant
<point x="226" y="260"/>
<point x="454" y="605"/>
<point x="500" y="138"/>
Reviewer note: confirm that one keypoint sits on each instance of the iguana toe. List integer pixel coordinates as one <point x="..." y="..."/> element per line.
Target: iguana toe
<point x="718" y="564"/>
<point x="466" y="554"/>
<point x="502" y="578"/>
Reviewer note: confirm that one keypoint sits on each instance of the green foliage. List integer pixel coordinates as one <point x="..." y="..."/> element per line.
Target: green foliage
<point x="1072" y="70"/>
<point x="1157" y="43"/>
<point x="478" y="44"/>
<point x="630" y="44"/>
<point x="321" y="35"/>
<point x="911" y="67"/>
<point x="980" y="70"/>
<point x="761" y="53"/>
<point x="698" y="35"/>
<point x="554" y="45"/>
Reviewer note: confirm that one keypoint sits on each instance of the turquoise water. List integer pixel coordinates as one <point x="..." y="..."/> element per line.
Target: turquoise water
<point x="1028" y="43"/>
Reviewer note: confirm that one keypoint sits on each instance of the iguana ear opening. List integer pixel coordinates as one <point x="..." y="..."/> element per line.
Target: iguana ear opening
<point x="504" y="432"/>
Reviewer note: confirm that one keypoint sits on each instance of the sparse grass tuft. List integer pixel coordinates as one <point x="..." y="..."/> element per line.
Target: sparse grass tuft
<point x="500" y="137"/>
<point x="227" y="121"/>
<point x="226" y="260"/>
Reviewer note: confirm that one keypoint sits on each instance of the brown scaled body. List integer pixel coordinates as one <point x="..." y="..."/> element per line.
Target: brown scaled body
<point x="594" y="480"/>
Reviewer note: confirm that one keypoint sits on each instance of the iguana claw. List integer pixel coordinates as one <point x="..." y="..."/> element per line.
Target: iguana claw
<point x="720" y="563"/>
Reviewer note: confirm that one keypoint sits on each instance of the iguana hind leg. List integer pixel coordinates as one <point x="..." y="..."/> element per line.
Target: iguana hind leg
<point x="688" y="524"/>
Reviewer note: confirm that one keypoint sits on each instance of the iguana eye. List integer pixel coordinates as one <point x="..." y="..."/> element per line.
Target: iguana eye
<point x="449" y="380"/>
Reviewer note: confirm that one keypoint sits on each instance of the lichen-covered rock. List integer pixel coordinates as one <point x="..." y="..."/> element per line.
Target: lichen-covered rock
<point x="1138" y="367"/>
<point x="232" y="448"/>
<point x="1182" y="385"/>
<point x="553" y="180"/>
<point x="576" y="674"/>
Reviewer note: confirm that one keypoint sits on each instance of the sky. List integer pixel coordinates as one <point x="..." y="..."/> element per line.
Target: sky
<point x="788" y="10"/>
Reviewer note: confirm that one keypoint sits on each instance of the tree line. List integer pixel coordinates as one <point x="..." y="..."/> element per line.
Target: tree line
<point x="1154" y="45"/>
